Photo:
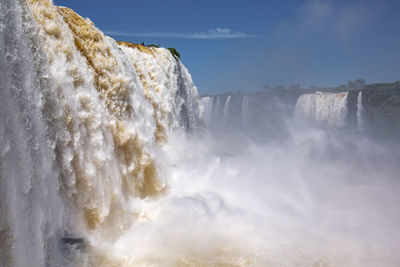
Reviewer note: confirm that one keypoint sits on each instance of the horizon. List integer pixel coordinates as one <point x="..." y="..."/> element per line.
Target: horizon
<point x="229" y="46"/>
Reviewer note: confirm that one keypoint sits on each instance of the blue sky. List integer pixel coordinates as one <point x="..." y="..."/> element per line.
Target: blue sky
<point x="231" y="45"/>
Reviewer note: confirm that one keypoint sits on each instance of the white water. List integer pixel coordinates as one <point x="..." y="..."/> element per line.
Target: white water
<point x="244" y="113"/>
<point x="215" y="110"/>
<point x="85" y="122"/>
<point x="226" y="110"/>
<point x="325" y="109"/>
<point x="31" y="212"/>
<point x="206" y="108"/>
<point x="360" y="113"/>
<point x="94" y="145"/>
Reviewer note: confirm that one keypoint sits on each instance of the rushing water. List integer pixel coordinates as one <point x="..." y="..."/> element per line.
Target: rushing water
<point x="360" y="113"/>
<point x="84" y="122"/>
<point x="328" y="109"/>
<point x="104" y="162"/>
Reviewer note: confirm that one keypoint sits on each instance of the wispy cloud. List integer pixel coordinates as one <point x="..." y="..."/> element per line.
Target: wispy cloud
<point x="220" y="33"/>
<point x="217" y="33"/>
<point x="325" y="16"/>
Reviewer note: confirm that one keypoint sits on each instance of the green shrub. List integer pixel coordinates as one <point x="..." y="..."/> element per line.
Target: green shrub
<point x="174" y="52"/>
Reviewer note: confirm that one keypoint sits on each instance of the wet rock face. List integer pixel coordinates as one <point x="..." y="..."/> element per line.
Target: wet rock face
<point x="74" y="243"/>
<point x="382" y="110"/>
<point x="73" y="250"/>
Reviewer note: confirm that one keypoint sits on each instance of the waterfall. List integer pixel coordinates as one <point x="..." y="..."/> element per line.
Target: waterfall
<point x="226" y="110"/>
<point x="100" y="163"/>
<point x="221" y="110"/>
<point x="324" y="109"/>
<point x="216" y="110"/>
<point x="360" y="113"/>
<point x="206" y="109"/>
<point x="30" y="209"/>
<point x="244" y="112"/>
<point x="84" y="120"/>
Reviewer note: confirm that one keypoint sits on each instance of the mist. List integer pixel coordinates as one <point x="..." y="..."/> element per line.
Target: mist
<point x="312" y="196"/>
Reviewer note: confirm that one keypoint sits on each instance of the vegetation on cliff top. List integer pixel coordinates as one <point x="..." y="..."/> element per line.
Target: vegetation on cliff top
<point x="142" y="47"/>
<point x="174" y="52"/>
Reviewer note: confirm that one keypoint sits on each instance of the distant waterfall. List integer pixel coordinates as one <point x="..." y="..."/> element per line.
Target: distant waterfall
<point x="261" y="115"/>
<point x="206" y="106"/>
<point x="244" y="112"/>
<point x="360" y="113"/>
<point x="226" y="110"/>
<point x="269" y="113"/>
<point x="324" y="109"/>
<point x="216" y="110"/>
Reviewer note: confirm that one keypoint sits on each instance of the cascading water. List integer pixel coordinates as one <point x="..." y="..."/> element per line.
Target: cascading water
<point x="215" y="110"/>
<point x="206" y="106"/>
<point x="86" y="119"/>
<point x="244" y="113"/>
<point x="360" y="113"/>
<point x="226" y="109"/>
<point x="31" y="209"/>
<point x="97" y="168"/>
<point x="325" y="109"/>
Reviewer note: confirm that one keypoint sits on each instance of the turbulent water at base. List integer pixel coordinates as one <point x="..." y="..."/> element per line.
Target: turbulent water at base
<point x="104" y="161"/>
<point x="325" y="109"/>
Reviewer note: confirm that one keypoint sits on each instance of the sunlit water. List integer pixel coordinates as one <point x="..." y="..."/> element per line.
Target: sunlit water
<point x="108" y="143"/>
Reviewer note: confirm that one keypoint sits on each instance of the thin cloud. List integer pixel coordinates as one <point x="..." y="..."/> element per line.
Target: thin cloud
<point x="218" y="33"/>
<point x="324" y="16"/>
